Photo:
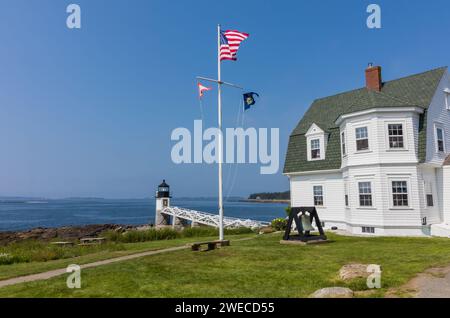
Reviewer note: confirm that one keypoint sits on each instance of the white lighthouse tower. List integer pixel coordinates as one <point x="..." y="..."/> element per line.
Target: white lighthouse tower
<point x="162" y="201"/>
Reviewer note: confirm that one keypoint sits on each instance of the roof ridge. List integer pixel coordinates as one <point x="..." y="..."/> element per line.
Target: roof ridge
<point x="417" y="74"/>
<point x="390" y="81"/>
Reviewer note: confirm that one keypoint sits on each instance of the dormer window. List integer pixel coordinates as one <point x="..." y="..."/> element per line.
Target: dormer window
<point x="440" y="139"/>
<point x="447" y="98"/>
<point x="315" y="149"/>
<point x="316" y="142"/>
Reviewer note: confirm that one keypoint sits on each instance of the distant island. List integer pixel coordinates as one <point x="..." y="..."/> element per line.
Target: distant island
<point x="270" y="197"/>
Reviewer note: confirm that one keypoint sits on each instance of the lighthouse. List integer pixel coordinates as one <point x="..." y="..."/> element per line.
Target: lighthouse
<point x="162" y="201"/>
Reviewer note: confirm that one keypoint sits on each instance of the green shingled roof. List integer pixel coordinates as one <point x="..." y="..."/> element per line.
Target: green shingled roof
<point x="416" y="90"/>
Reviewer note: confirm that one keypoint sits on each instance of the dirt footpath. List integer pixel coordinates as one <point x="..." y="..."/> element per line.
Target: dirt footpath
<point x="433" y="283"/>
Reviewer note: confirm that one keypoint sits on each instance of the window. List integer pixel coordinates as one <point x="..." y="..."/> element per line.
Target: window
<point x="447" y="98"/>
<point x="395" y="136"/>
<point x="315" y="149"/>
<point x="440" y="139"/>
<point x="318" y="195"/>
<point x="429" y="193"/>
<point x="368" y="229"/>
<point x="344" y="150"/>
<point x="362" y="139"/>
<point x="346" y="194"/>
<point x="400" y="193"/>
<point x="365" y="193"/>
<point x="430" y="201"/>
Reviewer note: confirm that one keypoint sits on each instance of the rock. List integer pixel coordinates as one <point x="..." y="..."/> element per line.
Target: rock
<point x="352" y="271"/>
<point x="266" y="230"/>
<point x="63" y="233"/>
<point x="333" y="292"/>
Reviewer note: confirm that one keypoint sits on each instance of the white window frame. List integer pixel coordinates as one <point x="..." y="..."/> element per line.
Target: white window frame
<point x="447" y="98"/>
<point x="368" y="229"/>
<point x="371" y="194"/>
<point x="428" y="190"/>
<point x="391" y="192"/>
<point x="311" y="149"/>
<point x="439" y="126"/>
<point x="346" y="195"/>
<point x="368" y="139"/>
<point x="315" y="132"/>
<point x="405" y="136"/>
<point x="344" y="149"/>
<point x="314" y="195"/>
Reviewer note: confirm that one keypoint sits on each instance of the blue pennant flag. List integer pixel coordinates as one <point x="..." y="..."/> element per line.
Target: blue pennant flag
<point x="249" y="100"/>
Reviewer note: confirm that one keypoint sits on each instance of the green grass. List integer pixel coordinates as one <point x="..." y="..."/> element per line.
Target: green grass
<point x="79" y="255"/>
<point x="261" y="267"/>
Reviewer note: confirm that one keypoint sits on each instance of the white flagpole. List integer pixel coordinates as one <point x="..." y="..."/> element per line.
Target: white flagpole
<point x="219" y="111"/>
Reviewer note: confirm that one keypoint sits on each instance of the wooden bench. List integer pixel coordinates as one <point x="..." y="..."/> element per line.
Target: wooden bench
<point x="91" y="241"/>
<point x="209" y="245"/>
<point x="62" y="243"/>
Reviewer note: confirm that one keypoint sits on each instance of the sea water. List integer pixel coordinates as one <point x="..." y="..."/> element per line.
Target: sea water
<point x="26" y="214"/>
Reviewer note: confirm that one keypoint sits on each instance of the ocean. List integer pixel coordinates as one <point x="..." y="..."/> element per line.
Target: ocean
<point x="23" y="215"/>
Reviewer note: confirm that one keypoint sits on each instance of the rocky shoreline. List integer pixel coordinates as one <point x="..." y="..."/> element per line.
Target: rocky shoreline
<point x="64" y="233"/>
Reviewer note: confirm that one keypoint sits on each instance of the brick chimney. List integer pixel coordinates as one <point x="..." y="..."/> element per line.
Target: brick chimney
<point x="373" y="77"/>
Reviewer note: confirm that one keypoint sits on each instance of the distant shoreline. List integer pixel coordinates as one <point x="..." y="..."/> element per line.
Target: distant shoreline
<point x="265" y="201"/>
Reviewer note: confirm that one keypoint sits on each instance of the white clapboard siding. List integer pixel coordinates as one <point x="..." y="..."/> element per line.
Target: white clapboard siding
<point x="333" y="188"/>
<point x="438" y="113"/>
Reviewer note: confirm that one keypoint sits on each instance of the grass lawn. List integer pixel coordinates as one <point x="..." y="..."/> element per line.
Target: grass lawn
<point x="97" y="253"/>
<point x="261" y="267"/>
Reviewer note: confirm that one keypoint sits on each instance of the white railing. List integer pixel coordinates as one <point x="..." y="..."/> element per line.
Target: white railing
<point x="211" y="219"/>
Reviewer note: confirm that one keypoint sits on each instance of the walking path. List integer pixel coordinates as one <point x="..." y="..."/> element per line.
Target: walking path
<point x="62" y="271"/>
<point x="433" y="283"/>
<point x="58" y="272"/>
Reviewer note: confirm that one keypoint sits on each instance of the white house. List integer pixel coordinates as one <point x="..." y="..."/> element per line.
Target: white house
<point x="376" y="160"/>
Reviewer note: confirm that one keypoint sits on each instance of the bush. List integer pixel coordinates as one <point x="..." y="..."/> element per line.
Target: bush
<point x="169" y="234"/>
<point x="203" y="231"/>
<point x="200" y="231"/>
<point x="142" y="236"/>
<point x="279" y="224"/>
<point x="288" y="210"/>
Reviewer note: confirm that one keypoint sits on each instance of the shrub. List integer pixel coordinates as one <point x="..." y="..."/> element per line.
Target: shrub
<point x="288" y="210"/>
<point x="148" y="235"/>
<point x="239" y="230"/>
<point x="203" y="231"/>
<point x="200" y="231"/>
<point x="279" y="224"/>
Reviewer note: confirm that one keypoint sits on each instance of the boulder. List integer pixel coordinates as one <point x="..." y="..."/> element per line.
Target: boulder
<point x="333" y="292"/>
<point x="266" y="230"/>
<point x="352" y="271"/>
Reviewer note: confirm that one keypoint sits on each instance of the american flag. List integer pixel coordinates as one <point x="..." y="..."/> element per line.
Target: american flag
<point x="229" y="44"/>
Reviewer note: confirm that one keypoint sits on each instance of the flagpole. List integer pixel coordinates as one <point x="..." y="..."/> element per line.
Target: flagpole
<point x="219" y="112"/>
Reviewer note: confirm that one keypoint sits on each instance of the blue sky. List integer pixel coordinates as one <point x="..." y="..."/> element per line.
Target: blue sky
<point x="89" y="112"/>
